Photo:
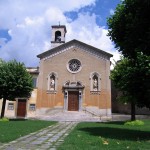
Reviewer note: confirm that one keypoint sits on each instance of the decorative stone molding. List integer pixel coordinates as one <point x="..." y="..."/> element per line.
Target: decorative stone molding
<point x="73" y="85"/>
<point x="51" y="92"/>
<point x="59" y="51"/>
<point x="74" y="66"/>
<point x="98" y="78"/>
<point x="74" y="44"/>
<point x="95" y="92"/>
<point x="54" y="76"/>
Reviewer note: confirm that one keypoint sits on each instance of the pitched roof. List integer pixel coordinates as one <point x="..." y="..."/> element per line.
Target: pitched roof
<point x="33" y="70"/>
<point x="74" y="43"/>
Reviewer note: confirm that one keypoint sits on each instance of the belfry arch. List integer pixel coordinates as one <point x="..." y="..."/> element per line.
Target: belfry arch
<point x="57" y="36"/>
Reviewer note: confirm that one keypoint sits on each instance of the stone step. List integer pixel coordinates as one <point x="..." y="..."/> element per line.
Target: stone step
<point x="71" y="116"/>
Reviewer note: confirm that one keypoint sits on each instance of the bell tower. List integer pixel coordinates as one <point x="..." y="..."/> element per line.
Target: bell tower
<point x="58" y="35"/>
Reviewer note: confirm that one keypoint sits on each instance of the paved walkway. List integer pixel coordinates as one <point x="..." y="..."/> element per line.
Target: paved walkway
<point x="46" y="139"/>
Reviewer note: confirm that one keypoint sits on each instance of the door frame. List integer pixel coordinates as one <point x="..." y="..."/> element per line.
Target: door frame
<point x="73" y="86"/>
<point x="80" y="98"/>
<point x="17" y="100"/>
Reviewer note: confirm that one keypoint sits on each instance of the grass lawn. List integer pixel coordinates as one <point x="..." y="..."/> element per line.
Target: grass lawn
<point x="16" y="128"/>
<point x="108" y="136"/>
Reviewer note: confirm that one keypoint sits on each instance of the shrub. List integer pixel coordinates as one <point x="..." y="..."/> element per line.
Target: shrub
<point x="134" y="123"/>
<point x="4" y="119"/>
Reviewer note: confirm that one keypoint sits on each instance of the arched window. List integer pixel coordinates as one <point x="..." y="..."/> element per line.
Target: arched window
<point x="52" y="81"/>
<point x="57" y="36"/>
<point x="95" y="81"/>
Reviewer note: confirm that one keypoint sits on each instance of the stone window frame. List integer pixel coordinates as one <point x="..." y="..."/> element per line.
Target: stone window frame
<point x="91" y="82"/>
<point x="32" y="107"/>
<point x="48" y="83"/>
<point x="10" y="106"/>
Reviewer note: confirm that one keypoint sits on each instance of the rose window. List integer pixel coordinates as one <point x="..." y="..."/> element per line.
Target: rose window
<point x="74" y="65"/>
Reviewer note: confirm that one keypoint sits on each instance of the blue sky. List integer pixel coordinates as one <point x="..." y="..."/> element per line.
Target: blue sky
<point x="25" y="26"/>
<point x="101" y="8"/>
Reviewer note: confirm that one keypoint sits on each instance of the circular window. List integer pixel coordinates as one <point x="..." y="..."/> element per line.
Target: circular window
<point x="74" y="66"/>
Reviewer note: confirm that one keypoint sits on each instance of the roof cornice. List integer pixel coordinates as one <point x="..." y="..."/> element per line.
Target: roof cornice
<point x="74" y="44"/>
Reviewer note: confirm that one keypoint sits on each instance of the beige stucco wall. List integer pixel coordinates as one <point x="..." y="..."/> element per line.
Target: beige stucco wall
<point x="32" y="100"/>
<point x="12" y="113"/>
<point x="58" y="63"/>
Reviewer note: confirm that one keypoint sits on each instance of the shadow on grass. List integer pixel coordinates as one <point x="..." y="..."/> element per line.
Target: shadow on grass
<point x="18" y="119"/>
<point x="114" y="122"/>
<point x="117" y="133"/>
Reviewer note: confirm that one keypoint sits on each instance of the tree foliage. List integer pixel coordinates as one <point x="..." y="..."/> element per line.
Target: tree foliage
<point x="129" y="27"/>
<point x="133" y="80"/>
<point x="15" y="81"/>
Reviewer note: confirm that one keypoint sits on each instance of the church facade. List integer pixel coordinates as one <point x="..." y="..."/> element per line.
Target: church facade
<point x="74" y="76"/>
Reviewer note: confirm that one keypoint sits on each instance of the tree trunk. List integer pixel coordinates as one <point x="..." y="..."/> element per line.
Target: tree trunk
<point x="3" y="107"/>
<point x="133" y="111"/>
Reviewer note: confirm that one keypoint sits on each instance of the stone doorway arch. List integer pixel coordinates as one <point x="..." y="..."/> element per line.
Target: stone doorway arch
<point x="73" y="96"/>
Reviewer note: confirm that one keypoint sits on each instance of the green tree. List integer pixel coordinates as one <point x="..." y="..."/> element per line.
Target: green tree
<point x="15" y="82"/>
<point x="133" y="80"/>
<point x="129" y="27"/>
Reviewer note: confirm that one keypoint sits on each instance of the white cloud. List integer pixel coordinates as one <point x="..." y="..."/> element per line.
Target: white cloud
<point x="111" y="11"/>
<point x="29" y="24"/>
<point x="54" y="15"/>
<point x="115" y="58"/>
<point x="85" y="29"/>
<point x="14" y="12"/>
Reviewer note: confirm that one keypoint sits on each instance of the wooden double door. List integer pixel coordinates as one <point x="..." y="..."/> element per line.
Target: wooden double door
<point x="73" y="100"/>
<point x="21" y="109"/>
